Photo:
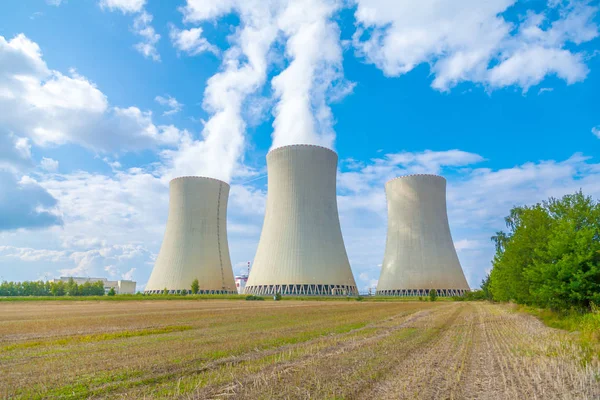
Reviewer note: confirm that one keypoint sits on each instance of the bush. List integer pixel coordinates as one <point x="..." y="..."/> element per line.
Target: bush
<point x="195" y="286"/>
<point x="252" y="297"/>
<point x="433" y="295"/>
<point x="112" y="292"/>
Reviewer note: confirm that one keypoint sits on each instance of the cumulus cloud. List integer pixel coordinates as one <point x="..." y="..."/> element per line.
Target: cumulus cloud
<point x="51" y="108"/>
<point x="473" y="41"/>
<point x="142" y="24"/>
<point x="25" y="204"/>
<point x="596" y="131"/>
<point x="190" y="41"/>
<point x="125" y="6"/>
<point x="170" y="102"/>
<point x="55" y="3"/>
<point x="49" y="164"/>
<point x="142" y="27"/>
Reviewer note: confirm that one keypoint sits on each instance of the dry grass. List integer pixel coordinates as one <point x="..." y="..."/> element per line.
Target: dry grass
<point x="253" y="350"/>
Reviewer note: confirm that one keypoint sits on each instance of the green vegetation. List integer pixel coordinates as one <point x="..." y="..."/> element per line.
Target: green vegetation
<point x="254" y="298"/>
<point x="40" y="288"/>
<point x="195" y="286"/>
<point x="111" y="292"/>
<point x="433" y="295"/>
<point x="586" y="324"/>
<point x="550" y="256"/>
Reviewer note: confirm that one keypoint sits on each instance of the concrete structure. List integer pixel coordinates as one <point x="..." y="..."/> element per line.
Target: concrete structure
<point x="195" y="242"/>
<point x="301" y="250"/>
<point x="240" y="283"/>
<point x="120" y="286"/>
<point x="419" y="252"/>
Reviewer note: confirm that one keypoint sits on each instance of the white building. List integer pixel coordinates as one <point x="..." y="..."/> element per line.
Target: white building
<point x="419" y="252"/>
<point x="301" y="250"/>
<point x="240" y="283"/>
<point x="120" y="286"/>
<point x="195" y="242"/>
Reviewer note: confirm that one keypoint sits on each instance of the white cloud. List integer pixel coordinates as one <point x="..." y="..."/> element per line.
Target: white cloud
<point x="25" y="204"/>
<point x="128" y="275"/>
<point x="141" y="24"/>
<point x="472" y="40"/>
<point x="49" y="164"/>
<point x="125" y="6"/>
<point x="51" y="108"/>
<point x="142" y="27"/>
<point x="191" y="41"/>
<point x="55" y="3"/>
<point x="596" y="131"/>
<point x="170" y="102"/>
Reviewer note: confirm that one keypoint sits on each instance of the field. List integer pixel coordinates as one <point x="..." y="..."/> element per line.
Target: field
<point x="291" y="349"/>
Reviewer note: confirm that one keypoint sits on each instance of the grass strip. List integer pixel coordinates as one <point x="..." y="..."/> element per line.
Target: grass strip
<point x="97" y="337"/>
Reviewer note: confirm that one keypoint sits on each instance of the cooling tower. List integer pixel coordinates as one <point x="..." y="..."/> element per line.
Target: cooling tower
<point x="419" y="253"/>
<point x="195" y="242"/>
<point x="301" y="250"/>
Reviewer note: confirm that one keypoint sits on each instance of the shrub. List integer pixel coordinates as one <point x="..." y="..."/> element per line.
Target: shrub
<point x="278" y="297"/>
<point x="195" y="286"/>
<point x="252" y="297"/>
<point x="112" y="292"/>
<point x="433" y="295"/>
<point x="360" y="298"/>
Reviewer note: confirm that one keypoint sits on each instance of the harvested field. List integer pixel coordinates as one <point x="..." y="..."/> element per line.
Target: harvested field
<point x="292" y="349"/>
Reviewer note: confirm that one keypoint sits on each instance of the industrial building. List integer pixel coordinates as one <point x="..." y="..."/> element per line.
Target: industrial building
<point x="195" y="242"/>
<point x="240" y="283"/>
<point x="419" y="252"/>
<point x="301" y="250"/>
<point x="121" y="286"/>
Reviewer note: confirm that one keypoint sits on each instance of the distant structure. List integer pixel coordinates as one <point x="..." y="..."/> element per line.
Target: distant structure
<point x="195" y="242"/>
<point x="419" y="253"/>
<point x="120" y="286"/>
<point x="240" y="283"/>
<point x="301" y="250"/>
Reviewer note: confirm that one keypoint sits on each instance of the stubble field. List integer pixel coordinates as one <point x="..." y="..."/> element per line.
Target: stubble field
<point x="291" y="349"/>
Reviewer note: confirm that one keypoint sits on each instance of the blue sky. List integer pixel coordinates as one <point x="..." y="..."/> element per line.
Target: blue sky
<point x="102" y="102"/>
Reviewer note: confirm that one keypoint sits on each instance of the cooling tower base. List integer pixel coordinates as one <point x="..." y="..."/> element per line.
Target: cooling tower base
<point x="190" y="292"/>
<point x="302" y="290"/>
<point x="420" y="292"/>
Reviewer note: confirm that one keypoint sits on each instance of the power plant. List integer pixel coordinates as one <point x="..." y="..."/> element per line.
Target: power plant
<point x="195" y="242"/>
<point x="419" y="253"/>
<point x="301" y="250"/>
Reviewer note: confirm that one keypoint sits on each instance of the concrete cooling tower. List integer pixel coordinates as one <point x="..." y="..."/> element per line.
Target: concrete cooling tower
<point x="195" y="242"/>
<point x="419" y="253"/>
<point x="301" y="250"/>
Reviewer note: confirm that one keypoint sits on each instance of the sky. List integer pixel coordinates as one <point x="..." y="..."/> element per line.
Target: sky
<point x="102" y="102"/>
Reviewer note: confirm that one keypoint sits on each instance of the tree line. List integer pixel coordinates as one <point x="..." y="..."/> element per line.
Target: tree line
<point x="60" y="288"/>
<point x="549" y="256"/>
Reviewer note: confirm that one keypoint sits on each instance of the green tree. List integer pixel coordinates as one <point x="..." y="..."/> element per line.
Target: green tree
<point x="112" y="292"/>
<point x="195" y="286"/>
<point x="432" y="295"/>
<point x="550" y="256"/>
<point x="165" y="291"/>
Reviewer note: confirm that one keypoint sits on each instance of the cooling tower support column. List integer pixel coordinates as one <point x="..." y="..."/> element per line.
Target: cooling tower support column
<point x="301" y="250"/>
<point x="419" y="253"/>
<point x="195" y="242"/>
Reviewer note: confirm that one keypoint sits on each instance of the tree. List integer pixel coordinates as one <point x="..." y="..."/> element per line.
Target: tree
<point x="112" y="292"/>
<point x="195" y="286"/>
<point x="432" y="295"/>
<point x="165" y="291"/>
<point x="550" y="256"/>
